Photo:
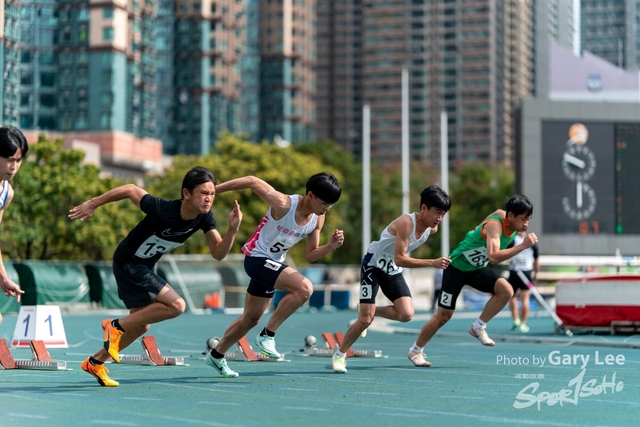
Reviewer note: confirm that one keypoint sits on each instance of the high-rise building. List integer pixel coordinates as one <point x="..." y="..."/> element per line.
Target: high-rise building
<point x="209" y="41"/>
<point x="339" y="73"/>
<point x="287" y="69"/>
<point x="10" y="59"/>
<point x="554" y="23"/>
<point x="472" y="59"/>
<point x="608" y="29"/>
<point x="251" y="72"/>
<point x="124" y="71"/>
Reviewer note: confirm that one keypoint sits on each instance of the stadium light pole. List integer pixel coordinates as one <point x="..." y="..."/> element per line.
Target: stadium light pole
<point x="405" y="141"/>
<point x="366" y="177"/>
<point x="444" y="178"/>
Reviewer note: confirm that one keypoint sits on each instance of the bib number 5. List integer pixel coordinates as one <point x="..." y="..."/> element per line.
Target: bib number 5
<point x="281" y="245"/>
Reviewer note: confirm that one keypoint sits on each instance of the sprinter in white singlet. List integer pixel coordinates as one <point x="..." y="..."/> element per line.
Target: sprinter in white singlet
<point x="289" y="219"/>
<point x="382" y="269"/>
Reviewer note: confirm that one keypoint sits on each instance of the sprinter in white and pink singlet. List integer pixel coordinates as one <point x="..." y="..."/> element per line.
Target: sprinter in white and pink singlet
<point x="290" y="218"/>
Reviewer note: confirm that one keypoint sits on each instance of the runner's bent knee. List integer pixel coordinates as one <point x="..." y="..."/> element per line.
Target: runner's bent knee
<point x="405" y="316"/>
<point x="443" y="316"/>
<point x="503" y="288"/>
<point x="303" y="290"/>
<point x="177" y="307"/>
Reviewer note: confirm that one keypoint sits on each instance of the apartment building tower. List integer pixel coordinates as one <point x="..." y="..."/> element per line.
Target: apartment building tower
<point x="287" y="81"/>
<point x="608" y="29"/>
<point x="209" y="42"/>
<point x="472" y="59"/>
<point x="124" y="72"/>
<point x="554" y="23"/>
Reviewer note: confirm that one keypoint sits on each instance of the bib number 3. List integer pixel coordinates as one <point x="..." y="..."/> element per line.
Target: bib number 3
<point x="365" y="291"/>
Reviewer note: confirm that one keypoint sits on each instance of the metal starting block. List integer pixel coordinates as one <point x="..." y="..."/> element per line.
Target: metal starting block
<point x="331" y="341"/>
<point x="151" y="355"/>
<point x="40" y="358"/>
<point x="245" y="353"/>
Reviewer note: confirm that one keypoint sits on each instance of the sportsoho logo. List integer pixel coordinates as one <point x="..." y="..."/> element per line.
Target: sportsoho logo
<point x="577" y="388"/>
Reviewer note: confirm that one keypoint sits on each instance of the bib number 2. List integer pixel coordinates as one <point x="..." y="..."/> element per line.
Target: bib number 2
<point x="446" y="299"/>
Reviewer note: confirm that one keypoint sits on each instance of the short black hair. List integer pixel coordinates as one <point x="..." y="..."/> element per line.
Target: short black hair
<point x="196" y="176"/>
<point x="11" y="138"/>
<point x="325" y="186"/>
<point x="519" y="204"/>
<point x="435" y="197"/>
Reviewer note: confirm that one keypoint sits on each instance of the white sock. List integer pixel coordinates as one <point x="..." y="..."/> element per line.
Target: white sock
<point x="416" y="349"/>
<point x="338" y="353"/>
<point x="479" y="324"/>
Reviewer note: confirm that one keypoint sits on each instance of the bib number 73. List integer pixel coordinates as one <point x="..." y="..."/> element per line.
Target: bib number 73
<point x="155" y="245"/>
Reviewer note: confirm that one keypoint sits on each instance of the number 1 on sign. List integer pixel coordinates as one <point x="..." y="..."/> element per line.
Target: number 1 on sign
<point x="26" y="321"/>
<point x="48" y="319"/>
<point x="39" y="322"/>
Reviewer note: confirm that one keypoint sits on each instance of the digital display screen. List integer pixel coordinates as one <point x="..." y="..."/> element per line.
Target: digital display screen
<point x="627" y="171"/>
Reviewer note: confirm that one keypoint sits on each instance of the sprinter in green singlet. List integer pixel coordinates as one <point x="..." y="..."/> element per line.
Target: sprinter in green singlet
<point x="487" y="243"/>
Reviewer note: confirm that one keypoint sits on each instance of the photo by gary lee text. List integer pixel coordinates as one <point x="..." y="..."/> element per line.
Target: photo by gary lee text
<point x="557" y="358"/>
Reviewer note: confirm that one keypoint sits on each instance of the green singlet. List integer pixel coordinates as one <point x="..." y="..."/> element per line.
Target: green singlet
<point x="471" y="253"/>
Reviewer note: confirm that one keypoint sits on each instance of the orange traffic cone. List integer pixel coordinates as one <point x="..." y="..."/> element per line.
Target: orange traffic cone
<point x="212" y="301"/>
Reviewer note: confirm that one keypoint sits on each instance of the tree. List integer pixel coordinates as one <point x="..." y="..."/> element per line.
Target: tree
<point x="476" y="191"/>
<point x="54" y="179"/>
<point x="51" y="181"/>
<point x="386" y="195"/>
<point x="285" y="169"/>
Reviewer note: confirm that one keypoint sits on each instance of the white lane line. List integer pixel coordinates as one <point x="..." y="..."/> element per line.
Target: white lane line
<point x="305" y="408"/>
<point x="39" y="417"/>
<point x="141" y="398"/>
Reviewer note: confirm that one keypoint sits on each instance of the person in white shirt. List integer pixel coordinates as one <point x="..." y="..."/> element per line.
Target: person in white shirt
<point x="13" y="149"/>
<point x="382" y="270"/>
<point x="527" y="262"/>
<point x="289" y="219"/>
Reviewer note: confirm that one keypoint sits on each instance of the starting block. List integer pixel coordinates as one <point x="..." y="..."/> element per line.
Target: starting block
<point x="151" y="355"/>
<point x="331" y="341"/>
<point x="40" y="358"/>
<point x="245" y="353"/>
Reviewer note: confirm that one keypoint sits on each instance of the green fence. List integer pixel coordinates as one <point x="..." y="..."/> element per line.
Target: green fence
<point x="234" y="277"/>
<point x="68" y="282"/>
<point x="199" y="280"/>
<point x="9" y="304"/>
<point x="46" y="282"/>
<point x="104" y="289"/>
